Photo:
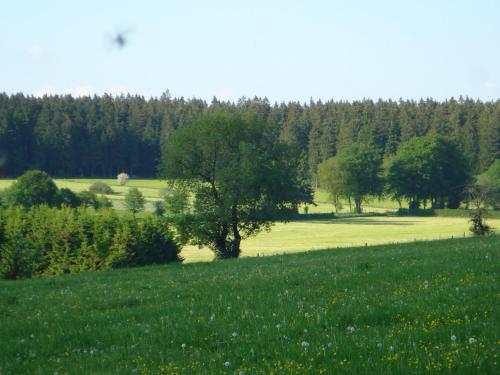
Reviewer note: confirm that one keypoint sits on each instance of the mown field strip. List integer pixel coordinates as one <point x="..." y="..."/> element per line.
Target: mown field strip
<point x="299" y="236"/>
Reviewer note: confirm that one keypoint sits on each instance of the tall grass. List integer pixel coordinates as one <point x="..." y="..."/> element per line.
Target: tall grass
<point x="424" y="307"/>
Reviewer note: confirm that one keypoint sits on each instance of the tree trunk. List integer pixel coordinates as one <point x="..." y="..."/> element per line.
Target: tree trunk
<point x="235" y="243"/>
<point x="229" y="248"/>
<point x="221" y="242"/>
<point x="357" y="204"/>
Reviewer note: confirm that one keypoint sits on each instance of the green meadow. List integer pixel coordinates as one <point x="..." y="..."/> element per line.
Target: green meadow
<point x="422" y="307"/>
<point x="152" y="189"/>
<point x="307" y="235"/>
<point x="315" y="232"/>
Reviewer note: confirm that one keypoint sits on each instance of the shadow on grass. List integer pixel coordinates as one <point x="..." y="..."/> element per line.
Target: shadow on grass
<point x="366" y="221"/>
<point x="333" y="216"/>
<point x="360" y="219"/>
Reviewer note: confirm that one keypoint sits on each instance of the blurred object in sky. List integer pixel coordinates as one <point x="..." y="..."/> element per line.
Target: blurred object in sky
<point x="120" y="40"/>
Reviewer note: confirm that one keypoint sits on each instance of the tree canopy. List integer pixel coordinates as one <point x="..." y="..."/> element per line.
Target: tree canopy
<point x="31" y="189"/>
<point x="489" y="183"/>
<point x="430" y="168"/>
<point x="134" y="200"/>
<point x="105" y="135"/>
<point x="354" y="174"/>
<point x="241" y="178"/>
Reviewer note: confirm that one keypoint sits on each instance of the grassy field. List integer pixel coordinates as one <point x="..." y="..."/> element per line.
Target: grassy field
<point x="356" y="231"/>
<point x="151" y="188"/>
<point x="312" y="234"/>
<point x="395" y="309"/>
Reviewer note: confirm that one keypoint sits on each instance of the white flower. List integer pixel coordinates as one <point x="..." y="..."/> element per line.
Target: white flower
<point x="472" y="340"/>
<point x="122" y="178"/>
<point x="278" y="326"/>
<point x="391" y="348"/>
<point x="453" y="338"/>
<point x="304" y="344"/>
<point x="426" y="284"/>
<point x="351" y="329"/>
<point x="329" y="344"/>
<point x="234" y="334"/>
<point x="306" y="315"/>
<point x="241" y="373"/>
<point x="183" y="346"/>
<point x="227" y="364"/>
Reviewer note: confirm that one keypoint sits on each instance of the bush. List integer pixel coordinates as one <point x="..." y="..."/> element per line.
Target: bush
<point x="158" y="208"/>
<point x="88" y="199"/>
<point x="122" y="179"/>
<point x="478" y="225"/>
<point x="104" y="202"/>
<point x="134" y="200"/>
<point x="16" y="258"/>
<point x="50" y="241"/>
<point x="31" y="189"/>
<point x="100" y="187"/>
<point x="68" y="198"/>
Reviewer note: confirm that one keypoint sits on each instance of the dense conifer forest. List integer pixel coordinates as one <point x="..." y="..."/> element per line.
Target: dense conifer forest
<point x="102" y="136"/>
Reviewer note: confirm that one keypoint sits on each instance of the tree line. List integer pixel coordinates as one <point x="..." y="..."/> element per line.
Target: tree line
<point x="428" y="171"/>
<point x="102" y="136"/>
<point x="45" y="240"/>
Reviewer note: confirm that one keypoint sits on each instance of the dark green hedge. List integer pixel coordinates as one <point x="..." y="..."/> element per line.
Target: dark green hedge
<point x="51" y="241"/>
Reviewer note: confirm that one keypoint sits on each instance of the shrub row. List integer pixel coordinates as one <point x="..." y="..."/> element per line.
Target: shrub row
<point x="446" y="212"/>
<point x="51" y="241"/>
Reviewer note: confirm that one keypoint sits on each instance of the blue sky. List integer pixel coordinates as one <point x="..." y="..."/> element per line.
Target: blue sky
<point x="284" y="50"/>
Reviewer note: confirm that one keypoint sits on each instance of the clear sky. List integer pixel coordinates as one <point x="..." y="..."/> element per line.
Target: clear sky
<point x="283" y="50"/>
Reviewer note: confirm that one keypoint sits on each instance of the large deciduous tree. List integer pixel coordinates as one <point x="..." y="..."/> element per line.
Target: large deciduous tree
<point x="430" y="168"/>
<point x="354" y="174"/>
<point x="241" y="178"/>
<point x="33" y="188"/>
<point x="489" y="183"/>
<point x="330" y="179"/>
